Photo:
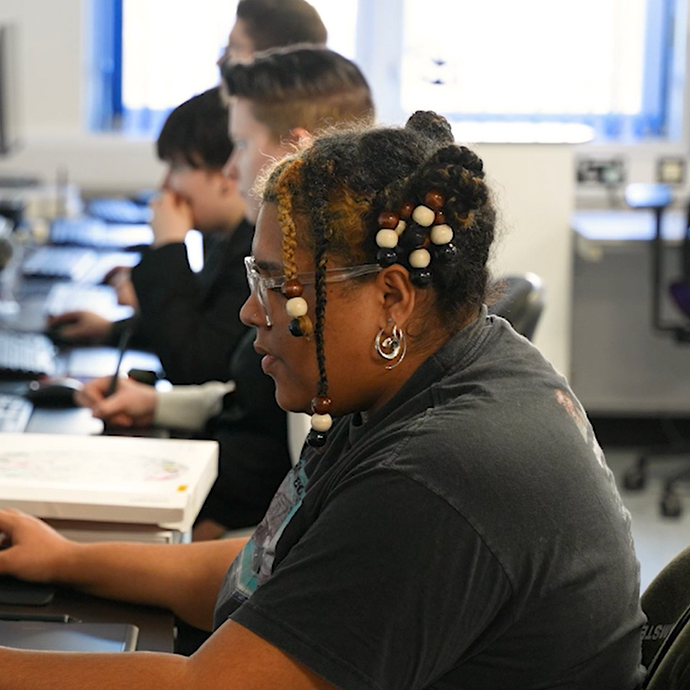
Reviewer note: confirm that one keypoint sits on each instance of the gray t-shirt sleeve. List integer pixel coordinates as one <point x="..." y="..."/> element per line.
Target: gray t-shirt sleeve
<point x="346" y="603"/>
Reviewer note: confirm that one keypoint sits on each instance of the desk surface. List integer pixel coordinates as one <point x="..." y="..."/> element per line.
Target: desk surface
<point x="625" y="225"/>
<point x="156" y="626"/>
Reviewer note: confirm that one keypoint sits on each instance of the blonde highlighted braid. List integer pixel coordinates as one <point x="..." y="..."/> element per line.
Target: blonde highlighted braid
<point x="289" y="178"/>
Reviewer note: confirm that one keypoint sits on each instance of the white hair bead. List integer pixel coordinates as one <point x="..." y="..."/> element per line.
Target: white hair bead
<point x="321" y="422"/>
<point x="423" y="216"/>
<point x="400" y="229"/>
<point x="387" y="239"/>
<point x="296" y="307"/>
<point x="441" y="234"/>
<point x="419" y="258"/>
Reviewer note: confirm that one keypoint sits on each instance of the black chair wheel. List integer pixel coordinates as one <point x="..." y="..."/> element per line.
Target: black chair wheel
<point x="671" y="505"/>
<point x="634" y="479"/>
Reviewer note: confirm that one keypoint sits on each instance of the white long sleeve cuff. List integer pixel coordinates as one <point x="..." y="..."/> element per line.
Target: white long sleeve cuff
<point x="190" y="407"/>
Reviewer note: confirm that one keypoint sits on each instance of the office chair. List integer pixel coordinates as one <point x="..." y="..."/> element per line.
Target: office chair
<point x="670" y="669"/>
<point x="521" y="300"/>
<point x="664" y="601"/>
<point x="666" y="639"/>
<point x="680" y="288"/>
<point x="657" y="197"/>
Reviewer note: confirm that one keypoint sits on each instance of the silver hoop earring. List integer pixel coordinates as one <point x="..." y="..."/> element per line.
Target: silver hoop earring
<point x="391" y="347"/>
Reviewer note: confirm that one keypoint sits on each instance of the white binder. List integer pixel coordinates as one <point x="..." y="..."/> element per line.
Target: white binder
<point x="107" y="479"/>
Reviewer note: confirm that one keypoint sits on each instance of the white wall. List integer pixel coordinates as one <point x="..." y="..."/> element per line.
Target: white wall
<point x="52" y="64"/>
<point x="534" y="192"/>
<point x="49" y="62"/>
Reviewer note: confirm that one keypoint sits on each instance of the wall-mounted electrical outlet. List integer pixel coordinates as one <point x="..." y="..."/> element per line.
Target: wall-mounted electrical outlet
<point x="670" y="170"/>
<point x="609" y="172"/>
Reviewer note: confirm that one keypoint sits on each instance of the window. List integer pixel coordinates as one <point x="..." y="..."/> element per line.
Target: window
<point x="158" y="54"/>
<point x="617" y="66"/>
<point x="155" y="54"/>
<point x="604" y="63"/>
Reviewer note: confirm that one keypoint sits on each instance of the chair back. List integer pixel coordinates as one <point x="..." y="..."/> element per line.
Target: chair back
<point x="680" y="288"/>
<point x="521" y="300"/>
<point x="680" y="291"/>
<point x="670" y="668"/>
<point x="664" y="602"/>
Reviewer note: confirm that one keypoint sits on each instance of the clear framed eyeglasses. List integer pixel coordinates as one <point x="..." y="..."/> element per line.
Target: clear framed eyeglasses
<point x="260" y="285"/>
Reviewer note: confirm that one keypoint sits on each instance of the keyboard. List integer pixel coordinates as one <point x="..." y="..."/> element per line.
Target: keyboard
<point x="101" y="299"/>
<point x="76" y="264"/>
<point x="26" y="355"/>
<point x="97" y="234"/>
<point x="122" y="211"/>
<point x="15" y="412"/>
<point x="64" y="263"/>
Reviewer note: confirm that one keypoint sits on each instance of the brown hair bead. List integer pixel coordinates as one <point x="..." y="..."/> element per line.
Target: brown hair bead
<point x="388" y="220"/>
<point x="406" y="209"/>
<point x="321" y="404"/>
<point x="440" y="218"/>
<point x="434" y="200"/>
<point x="292" y="288"/>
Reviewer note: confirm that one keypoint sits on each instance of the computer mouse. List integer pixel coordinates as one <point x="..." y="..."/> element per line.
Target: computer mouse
<point x="56" y="392"/>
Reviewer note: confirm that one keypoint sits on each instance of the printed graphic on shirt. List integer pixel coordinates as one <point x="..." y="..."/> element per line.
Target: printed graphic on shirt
<point x="254" y="564"/>
<point x="578" y="415"/>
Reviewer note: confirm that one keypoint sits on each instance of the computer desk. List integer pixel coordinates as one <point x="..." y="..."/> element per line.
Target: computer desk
<point x="620" y="365"/>
<point x="82" y="363"/>
<point x="156" y="626"/>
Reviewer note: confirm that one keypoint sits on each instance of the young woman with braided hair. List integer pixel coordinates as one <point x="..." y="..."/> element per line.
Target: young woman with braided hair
<point x="451" y="522"/>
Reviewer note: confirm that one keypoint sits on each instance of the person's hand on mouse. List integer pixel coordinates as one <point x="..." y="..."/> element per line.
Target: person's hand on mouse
<point x="132" y="403"/>
<point x="80" y="326"/>
<point x="172" y="218"/>
<point x="35" y="549"/>
<point x="53" y="392"/>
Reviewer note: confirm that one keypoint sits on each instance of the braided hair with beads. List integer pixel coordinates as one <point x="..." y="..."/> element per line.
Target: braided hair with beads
<point x="387" y="195"/>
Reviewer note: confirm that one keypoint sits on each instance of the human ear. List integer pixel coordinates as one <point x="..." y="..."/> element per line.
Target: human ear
<point x="300" y="137"/>
<point x="398" y="295"/>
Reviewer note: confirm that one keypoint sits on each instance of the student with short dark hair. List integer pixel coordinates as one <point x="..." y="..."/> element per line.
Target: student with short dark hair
<point x="282" y="98"/>
<point x="182" y="315"/>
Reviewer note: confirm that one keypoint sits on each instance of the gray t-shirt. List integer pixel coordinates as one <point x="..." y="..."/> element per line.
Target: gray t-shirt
<point x="468" y="536"/>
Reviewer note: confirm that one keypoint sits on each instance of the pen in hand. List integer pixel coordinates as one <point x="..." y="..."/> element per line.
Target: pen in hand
<point x="122" y="348"/>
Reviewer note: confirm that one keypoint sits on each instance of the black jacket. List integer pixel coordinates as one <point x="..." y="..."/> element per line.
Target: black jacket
<point x="191" y="321"/>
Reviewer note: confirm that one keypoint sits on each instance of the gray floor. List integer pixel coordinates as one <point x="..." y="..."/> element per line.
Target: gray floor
<point x="657" y="538"/>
